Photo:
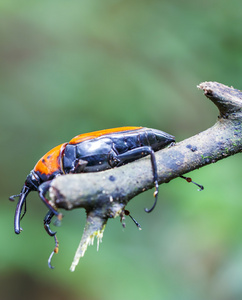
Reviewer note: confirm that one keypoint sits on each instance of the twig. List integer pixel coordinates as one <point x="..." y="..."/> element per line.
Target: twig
<point x="105" y="194"/>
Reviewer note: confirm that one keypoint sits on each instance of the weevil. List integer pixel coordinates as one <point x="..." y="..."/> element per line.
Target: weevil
<point x="91" y="152"/>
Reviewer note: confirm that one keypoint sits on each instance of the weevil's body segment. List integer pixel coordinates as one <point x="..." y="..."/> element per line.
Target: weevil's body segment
<point x="50" y="165"/>
<point x="91" y="152"/>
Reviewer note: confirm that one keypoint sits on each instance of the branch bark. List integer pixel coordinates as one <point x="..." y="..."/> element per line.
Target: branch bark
<point x="105" y="194"/>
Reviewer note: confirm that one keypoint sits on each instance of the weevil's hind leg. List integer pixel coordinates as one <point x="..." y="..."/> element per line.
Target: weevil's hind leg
<point x="131" y="155"/>
<point x="154" y="167"/>
<point x="47" y="221"/>
<point x="189" y="179"/>
<point x="156" y="198"/>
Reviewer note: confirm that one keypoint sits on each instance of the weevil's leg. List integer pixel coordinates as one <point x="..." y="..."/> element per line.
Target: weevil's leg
<point x="127" y="213"/>
<point x="80" y="165"/>
<point x="43" y="189"/>
<point x="189" y="179"/>
<point x="53" y="252"/>
<point x="154" y="167"/>
<point x="134" y="154"/>
<point x="47" y="221"/>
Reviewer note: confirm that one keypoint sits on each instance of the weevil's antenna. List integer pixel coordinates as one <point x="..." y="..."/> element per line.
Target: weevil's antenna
<point x="189" y="179"/>
<point x="11" y="198"/>
<point x="47" y="221"/>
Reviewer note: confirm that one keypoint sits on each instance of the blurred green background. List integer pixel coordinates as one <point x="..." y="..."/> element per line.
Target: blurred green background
<point x="69" y="67"/>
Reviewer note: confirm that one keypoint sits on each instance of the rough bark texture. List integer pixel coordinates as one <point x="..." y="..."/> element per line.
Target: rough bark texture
<point x="105" y="194"/>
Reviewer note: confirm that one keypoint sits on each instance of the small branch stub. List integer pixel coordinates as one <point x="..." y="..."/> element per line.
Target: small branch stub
<point x="94" y="227"/>
<point x="105" y="194"/>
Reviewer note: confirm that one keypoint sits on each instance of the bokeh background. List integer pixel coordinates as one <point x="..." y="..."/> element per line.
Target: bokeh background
<point x="69" y="67"/>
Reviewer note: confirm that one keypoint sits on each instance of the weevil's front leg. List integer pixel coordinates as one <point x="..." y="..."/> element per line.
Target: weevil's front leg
<point x="47" y="221"/>
<point x="43" y="189"/>
<point x="131" y="155"/>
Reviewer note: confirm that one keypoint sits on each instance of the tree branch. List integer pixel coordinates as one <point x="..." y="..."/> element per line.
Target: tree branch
<point x="105" y="194"/>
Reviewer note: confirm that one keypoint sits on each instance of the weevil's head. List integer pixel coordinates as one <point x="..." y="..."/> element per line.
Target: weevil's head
<point x="31" y="184"/>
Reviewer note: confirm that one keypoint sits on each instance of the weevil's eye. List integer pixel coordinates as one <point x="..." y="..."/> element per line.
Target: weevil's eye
<point x="32" y="181"/>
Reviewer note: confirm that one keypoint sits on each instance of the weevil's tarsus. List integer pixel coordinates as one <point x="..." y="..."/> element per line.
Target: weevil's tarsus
<point x="127" y="213"/>
<point x="189" y="179"/>
<point x="55" y="251"/>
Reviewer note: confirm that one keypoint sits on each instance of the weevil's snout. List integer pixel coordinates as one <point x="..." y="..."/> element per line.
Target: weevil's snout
<point x="21" y="202"/>
<point x="31" y="184"/>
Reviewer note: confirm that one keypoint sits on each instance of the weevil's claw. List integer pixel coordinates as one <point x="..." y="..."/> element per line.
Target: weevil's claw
<point x="156" y="198"/>
<point x="49" y="260"/>
<point x="127" y="213"/>
<point x="189" y="179"/>
<point x="124" y="213"/>
<point x="53" y="252"/>
<point x="49" y="231"/>
<point x="150" y="210"/>
<point x="47" y="221"/>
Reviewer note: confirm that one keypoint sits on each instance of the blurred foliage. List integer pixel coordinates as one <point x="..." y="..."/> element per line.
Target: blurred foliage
<point x="69" y="67"/>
